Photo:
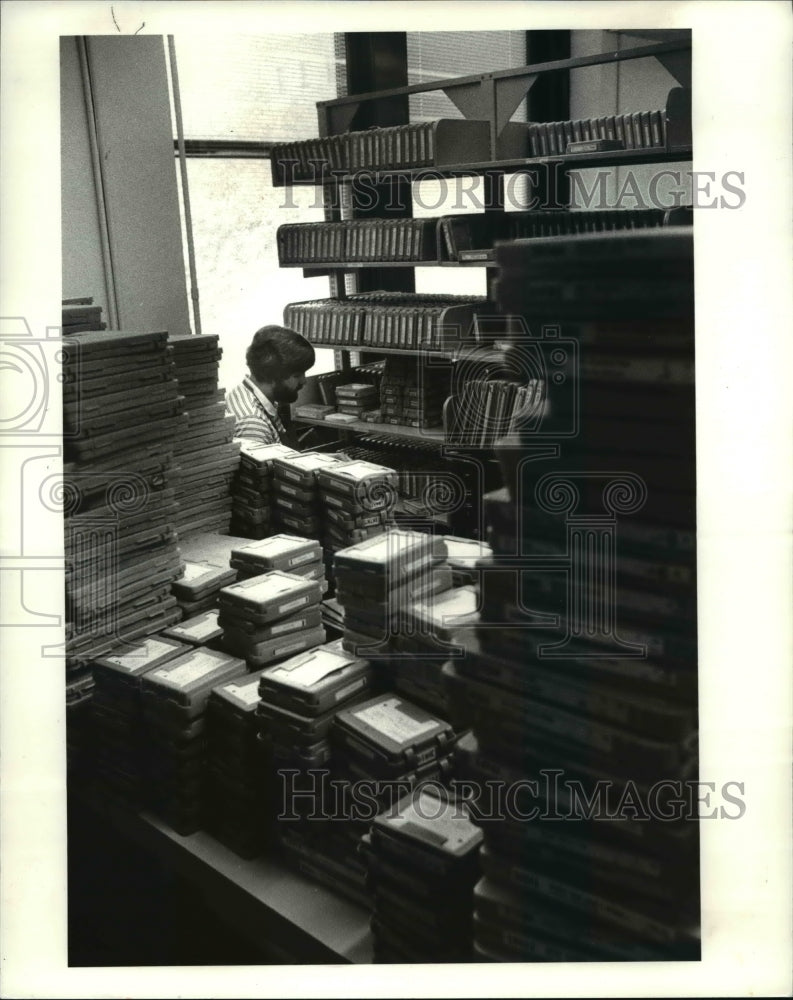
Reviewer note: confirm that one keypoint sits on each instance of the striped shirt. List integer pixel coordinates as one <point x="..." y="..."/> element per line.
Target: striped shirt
<point x="256" y="417"/>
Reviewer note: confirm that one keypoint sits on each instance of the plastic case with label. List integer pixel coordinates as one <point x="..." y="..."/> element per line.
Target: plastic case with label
<point x="285" y="645"/>
<point x="314" y="682"/>
<point x="302" y="469"/>
<point x="397" y="555"/>
<point x="281" y="551"/>
<point x="197" y="631"/>
<point x="187" y="681"/>
<point x="263" y="599"/>
<point x="391" y="735"/>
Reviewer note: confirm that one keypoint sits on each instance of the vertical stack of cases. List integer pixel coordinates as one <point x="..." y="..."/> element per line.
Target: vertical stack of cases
<point x="119" y="531"/>
<point x="411" y="397"/>
<point x="239" y="792"/>
<point x="299" y="700"/>
<point x="272" y="616"/>
<point x="297" y="507"/>
<point x="175" y="697"/>
<point x="358" y="499"/>
<point x="384" y="586"/>
<point x="206" y="453"/>
<point x="356" y="398"/>
<point x="422" y="863"/>
<point x="119" y="743"/>
<point x="252" y="489"/>
<point x="597" y="680"/>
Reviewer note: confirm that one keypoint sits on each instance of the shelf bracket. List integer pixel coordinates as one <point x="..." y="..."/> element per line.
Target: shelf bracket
<point x="678" y="64"/>
<point x="470" y="99"/>
<point x="341" y="116"/>
<point x="510" y="91"/>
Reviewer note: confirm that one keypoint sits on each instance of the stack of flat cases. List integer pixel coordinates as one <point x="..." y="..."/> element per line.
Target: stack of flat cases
<point x="239" y="793"/>
<point x="270" y="617"/>
<point x="252" y="489"/>
<point x="388" y="736"/>
<point x="175" y="697"/>
<point x="463" y="554"/>
<point x="297" y="508"/>
<point x="196" y="590"/>
<point x="281" y="551"/>
<point x="117" y="714"/>
<point x="422" y="862"/>
<point x="359" y="499"/>
<point x="315" y="682"/>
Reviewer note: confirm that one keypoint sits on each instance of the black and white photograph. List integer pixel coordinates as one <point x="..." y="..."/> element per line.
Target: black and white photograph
<point x="396" y="560"/>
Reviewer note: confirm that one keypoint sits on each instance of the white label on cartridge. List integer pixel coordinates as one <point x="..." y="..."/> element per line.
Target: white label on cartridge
<point x="288" y="626"/>
<point x="349" y="689"/>
<point x="201" y="627"/>
<point x="249" y="693"/>
<point x="148" y="650"/>
<point x="391" y="721"/>
<point x="306" y="557"/>
<point x="319" y="666"/>
<point x="196" y="667"/>
<point x="291" y="605"/>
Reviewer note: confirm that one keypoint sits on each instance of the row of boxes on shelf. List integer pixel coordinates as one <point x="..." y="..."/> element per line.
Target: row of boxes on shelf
<point x="456" y="142"/>
<point x="468" y="237"/>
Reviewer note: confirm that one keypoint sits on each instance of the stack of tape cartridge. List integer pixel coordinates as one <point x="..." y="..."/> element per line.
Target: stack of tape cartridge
<point x="374" y="575"/>
<point x="410" y="396"/>
<point x="355" y="398"/>
<point x="290" y="553"/>
<point x="252" y="489"/>
<point x="270" y="617"/>
<point x="197" y="589"/>
<point x="543" y="696"/>
<point x="299" y="699"/>
<point x="175" y="697"/>
<point x="119" y="738"/>
<point x="297" y="507"/>
<point x="206" y="453"/>
<point x="392" y="745"/>
<point x="239" y="794"/>
<point x="427" y="633"/>
<point x="422" y="863"/>
<point x="119" y="525"/>
<point x="358" y="499"/>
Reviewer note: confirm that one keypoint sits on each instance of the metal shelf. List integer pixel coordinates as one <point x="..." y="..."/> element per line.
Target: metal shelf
<point x="433" y="435"/>
<point x="572" y="161"/>
<point x="313" y="270"/>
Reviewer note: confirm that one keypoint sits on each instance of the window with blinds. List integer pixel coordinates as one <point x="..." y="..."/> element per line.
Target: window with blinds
<point x="256" y="88"/>
<point x="435" y="55"/>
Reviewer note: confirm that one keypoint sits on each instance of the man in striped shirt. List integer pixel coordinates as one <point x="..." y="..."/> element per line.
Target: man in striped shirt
<point x="278" y="359"/>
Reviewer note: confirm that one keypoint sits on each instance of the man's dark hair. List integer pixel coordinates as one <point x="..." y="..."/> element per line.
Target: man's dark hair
<point x="276" y="352"/>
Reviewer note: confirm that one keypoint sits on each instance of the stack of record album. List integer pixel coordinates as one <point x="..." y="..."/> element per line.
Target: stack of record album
<point x="239" y="792"/>
<point x="357" y="499"/>
<point x="270" y="617"/>
<point x="119" y="741"/>
<point x="299" y="699"/>
<point x="118" y="493"/>
<point x="175" y="697"/>
<point x="422" y="865"/>
<point x="252" y="488"/>
<point x="297" y="508"/>
<point x="206" y="453"/>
